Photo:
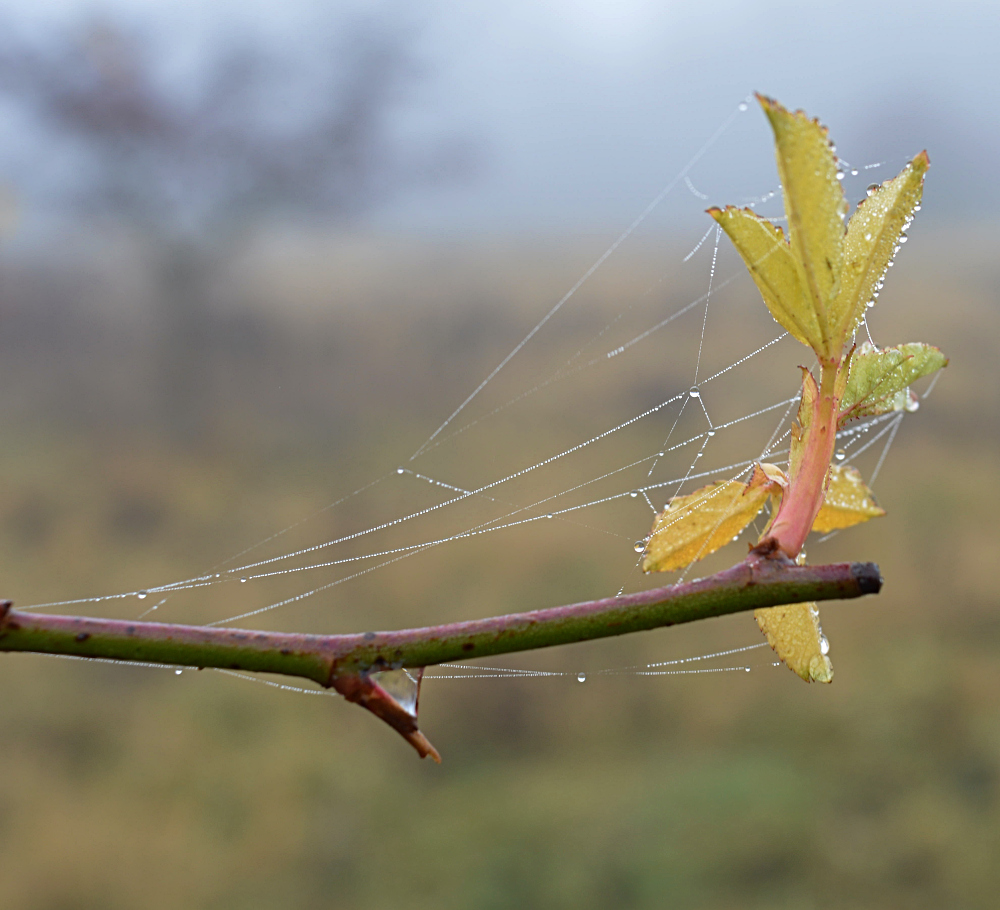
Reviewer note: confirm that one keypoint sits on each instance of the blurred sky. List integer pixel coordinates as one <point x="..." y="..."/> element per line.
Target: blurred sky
<point x="583" y="110"/>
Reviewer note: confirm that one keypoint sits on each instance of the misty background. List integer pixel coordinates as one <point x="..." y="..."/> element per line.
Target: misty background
<point x="252" y="255"/>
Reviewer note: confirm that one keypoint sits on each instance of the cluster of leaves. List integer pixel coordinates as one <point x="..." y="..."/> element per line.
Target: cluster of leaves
<point x="818" y="284"/>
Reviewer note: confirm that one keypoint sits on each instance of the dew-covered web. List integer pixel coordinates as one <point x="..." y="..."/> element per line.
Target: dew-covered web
<point x="573" y="439"/>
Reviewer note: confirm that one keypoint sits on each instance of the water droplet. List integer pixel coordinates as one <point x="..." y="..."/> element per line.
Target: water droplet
<point x="913" y="405"/>
<point x="581" y="677"/>
<point x="549" y="515"/>
<point x="903" y="238"/>
<point x="840" y="455"/>
<point x="737" y="537"/>
<point x="747" y="669"/>
<point x="633" y="493"/>
<point x="243" y="581"/>
<point x="400" y="470"/>
<point x="868" y="236"/>
<point x="639" y="546"/>
<point x="694" y="392"/>
<point x="659" y="454"/>
<point x="800" y="560"/>
<point x="218" y="575"/>
<point x="711" y="432"/>
<point x="142" y="595"/>
<point x="916" y="208"/>
<point x="840" y="175"/>
<point x="870" y="304"/>
<point x="824" y="645"/>
<point x="875" y="297"/>
<point x="402" y="685"/>
<point x="178" y="672"/>
<point x="743" y="105"/>
<point x="697" y="455"/>
<point x="872" y="189"/>
<point x="854" y="172"/>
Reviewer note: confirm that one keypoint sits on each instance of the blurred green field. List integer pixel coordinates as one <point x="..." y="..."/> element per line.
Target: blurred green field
<point x="323" y="363"/>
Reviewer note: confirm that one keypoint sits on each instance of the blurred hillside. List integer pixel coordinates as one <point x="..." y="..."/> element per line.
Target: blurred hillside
<point x="323" y="361"/>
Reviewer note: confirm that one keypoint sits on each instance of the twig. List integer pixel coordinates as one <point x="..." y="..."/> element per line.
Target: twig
<point x="345" y="662"/>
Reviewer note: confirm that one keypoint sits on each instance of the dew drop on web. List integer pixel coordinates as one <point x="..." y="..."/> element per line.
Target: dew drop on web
<point x="581" y="677"/>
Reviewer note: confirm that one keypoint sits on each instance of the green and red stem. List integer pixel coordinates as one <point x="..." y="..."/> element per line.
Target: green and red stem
<point x="801" y="502"/>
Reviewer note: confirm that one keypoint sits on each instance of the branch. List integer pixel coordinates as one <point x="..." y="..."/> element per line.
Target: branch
<point x="346" y="662"/>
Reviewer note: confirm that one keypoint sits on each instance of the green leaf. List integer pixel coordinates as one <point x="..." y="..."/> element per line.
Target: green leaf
<point x="797" y="638"/>
<point x="775" y="270"/>
<point x="816" y="208"/>
<point x="847" y="501"/>
<point x="695" y="525"/>
<point x="879" y="379"/>
<point x="803" y="420"/>
<point x="873" y="236"/>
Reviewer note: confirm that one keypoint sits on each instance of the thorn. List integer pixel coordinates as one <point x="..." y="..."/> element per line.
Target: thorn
<point x="364" y="691"/>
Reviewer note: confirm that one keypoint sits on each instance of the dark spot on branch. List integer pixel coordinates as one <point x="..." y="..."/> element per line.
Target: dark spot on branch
<point x="468" y="646"/>
<point x="82" y="636"/>
<point x="369" y="636"/>
<point x="286" y="651"/>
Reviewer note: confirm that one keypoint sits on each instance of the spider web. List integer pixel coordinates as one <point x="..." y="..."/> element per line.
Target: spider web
<point x="583" y="430"/>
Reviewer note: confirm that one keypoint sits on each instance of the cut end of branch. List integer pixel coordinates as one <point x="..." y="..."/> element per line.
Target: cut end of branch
<point x="868" y="577"/>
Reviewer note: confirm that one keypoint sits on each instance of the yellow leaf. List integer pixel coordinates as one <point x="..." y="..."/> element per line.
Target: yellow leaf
<point x="793" y="630"/>
<point x="873" y="235"/>
<point x="693" y="526"/>
<point x="815" y="206"/>
<point x="848" y="501"/>
<point x="879" y="379"/>
<point x="775" y="271"/>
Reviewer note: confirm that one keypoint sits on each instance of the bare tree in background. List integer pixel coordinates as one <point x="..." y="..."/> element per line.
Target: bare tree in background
<point x="197" y="159"/>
